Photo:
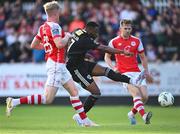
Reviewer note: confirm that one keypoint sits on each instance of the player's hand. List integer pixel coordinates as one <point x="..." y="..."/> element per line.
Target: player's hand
<point x="128" y="53"/>
<point x="148" y="76"/>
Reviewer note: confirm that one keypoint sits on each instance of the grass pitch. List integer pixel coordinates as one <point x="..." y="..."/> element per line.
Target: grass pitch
<point x="113" y="120"/>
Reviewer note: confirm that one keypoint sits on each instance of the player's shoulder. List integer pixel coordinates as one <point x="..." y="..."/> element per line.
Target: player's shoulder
<point x="53" y="25"/>
<point x="134" y="38"/>
<point x="115" y="38"/>
<point x="114" y="41"/>
<point x="79" y="32"/>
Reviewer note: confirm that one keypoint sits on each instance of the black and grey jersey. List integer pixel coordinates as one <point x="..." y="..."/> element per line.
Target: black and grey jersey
<point x="79" y="45"/>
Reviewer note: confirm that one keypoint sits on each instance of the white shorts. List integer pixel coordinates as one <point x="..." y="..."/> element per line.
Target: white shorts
<point x="57" y="73"/>
<point x="133" y="75"/>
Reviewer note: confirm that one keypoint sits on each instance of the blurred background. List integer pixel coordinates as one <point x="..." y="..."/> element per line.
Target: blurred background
<point x="155" y="22"/>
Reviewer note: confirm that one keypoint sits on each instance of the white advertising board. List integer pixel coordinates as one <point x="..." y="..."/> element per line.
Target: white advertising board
<point x="28" y="79"/>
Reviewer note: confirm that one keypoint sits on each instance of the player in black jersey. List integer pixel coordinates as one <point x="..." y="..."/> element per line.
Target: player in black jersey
<point x="82" y="71"/>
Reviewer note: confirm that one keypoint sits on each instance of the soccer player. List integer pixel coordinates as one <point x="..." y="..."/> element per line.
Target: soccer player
<point x="129" y="66"/>
<point x="53" y="39"/>
<point x="82" y="71"/>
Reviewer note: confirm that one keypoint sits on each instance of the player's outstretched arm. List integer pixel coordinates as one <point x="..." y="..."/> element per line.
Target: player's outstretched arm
<point x="108" y="60"/>
<point x="110" y="50"/>
<point x="144" y="62"/>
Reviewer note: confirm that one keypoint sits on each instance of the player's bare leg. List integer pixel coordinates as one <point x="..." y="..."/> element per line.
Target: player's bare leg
<point x="115" y="76"/>
<point x="45" y="98"/>
<point x="81" y="117"/>
<point x="50" y="93"/>
<point x="144" y="93"/>
<point x="99" y="70"/>
<point x="134" y="92"/>
<point x="138" y="106"/>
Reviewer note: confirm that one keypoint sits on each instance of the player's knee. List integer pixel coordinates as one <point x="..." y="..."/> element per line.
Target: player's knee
<point x="137" y="93"/>
<point x="49" y="100"/>
<point x="74" y="92"/>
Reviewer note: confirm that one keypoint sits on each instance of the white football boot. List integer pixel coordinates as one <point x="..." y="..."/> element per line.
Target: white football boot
<point x="84" y="123"/>
<point x="89" y="123"/>
<point x="132" y="119"/>
<point x="147" y="117"/>
<point x="9" y="106"/>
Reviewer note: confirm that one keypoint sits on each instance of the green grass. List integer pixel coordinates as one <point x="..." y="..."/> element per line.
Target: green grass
<point x="113" y="120"/>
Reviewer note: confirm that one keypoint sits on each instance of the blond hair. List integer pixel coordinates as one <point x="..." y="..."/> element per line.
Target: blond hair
<point x="125" y="22"/>
<point x="51" y="6"/>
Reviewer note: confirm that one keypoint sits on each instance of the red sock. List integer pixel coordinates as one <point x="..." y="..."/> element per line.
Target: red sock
<point x="134" y="111"/>
<point x="33" y="99"/>
<point x="77" y="105"/>
<point x="24" y="100"/>
<point x="138" y="105"/>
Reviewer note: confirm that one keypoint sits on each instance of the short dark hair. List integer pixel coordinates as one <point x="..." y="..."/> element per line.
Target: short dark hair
<point x="92" y="24"/>
<point x="125" y="22"/>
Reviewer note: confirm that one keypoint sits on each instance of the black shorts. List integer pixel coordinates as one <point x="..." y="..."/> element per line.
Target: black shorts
<point x="81" y="73"/>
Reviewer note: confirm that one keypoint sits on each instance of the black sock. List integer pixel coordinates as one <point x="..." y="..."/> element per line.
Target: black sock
<point x="116" y="76"/>
<point x="89" y="102"/>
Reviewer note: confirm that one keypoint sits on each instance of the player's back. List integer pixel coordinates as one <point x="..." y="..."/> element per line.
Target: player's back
<point x="127" y="63"/>
<point x="47" y="32"/>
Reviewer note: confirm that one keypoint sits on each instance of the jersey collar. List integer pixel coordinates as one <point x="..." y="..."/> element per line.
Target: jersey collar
<point x="124" y="38"/>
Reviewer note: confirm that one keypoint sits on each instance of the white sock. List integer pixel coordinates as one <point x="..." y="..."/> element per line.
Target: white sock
<point x="15" y="102"/>
<point x="131" y="113"/>
<point x="144" y="117"/>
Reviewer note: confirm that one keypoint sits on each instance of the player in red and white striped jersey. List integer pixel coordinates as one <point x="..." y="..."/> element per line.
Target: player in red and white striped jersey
<point x="129" y="66"/>
<point x="52" y="39"/>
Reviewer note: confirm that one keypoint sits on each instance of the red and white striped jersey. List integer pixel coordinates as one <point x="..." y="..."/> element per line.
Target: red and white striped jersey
<point x="126" y="63"/>
<point x="46" y="33"/>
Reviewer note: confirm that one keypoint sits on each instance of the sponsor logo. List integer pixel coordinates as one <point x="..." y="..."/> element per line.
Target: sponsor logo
<point x="119" y="44"/>
<point x="55" y="32"/>
<point x="133" y="43"/>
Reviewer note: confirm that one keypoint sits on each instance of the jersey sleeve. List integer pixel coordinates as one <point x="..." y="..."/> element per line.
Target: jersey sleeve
<point x="57" y="31"/>
<point x="111" y="44"/>
<point x="38" y="35"/>
<point x="140" y="47"/>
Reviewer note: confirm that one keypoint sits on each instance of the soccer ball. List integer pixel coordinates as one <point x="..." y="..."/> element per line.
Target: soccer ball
<point x="165" y="99"/>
